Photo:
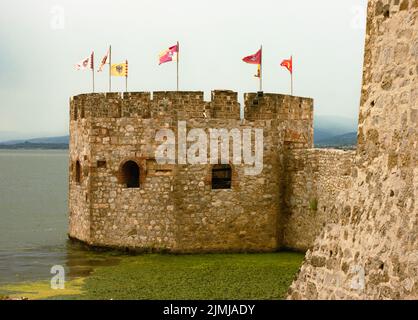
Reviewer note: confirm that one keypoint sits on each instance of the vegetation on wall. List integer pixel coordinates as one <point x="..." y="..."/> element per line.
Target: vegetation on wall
<point x="313" y="204"/>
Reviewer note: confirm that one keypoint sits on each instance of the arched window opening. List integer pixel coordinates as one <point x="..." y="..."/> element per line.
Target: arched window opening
<point x="77" y="172"/>
<point x="221" y="176"/>
<point x="130" y="174"/>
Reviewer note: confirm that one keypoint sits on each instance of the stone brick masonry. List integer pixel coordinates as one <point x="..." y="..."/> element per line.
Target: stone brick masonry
<point x="355" y="211"/>
<point x="369" y="250"/>
<point x="314" y="178"/>
<point x="175" y="207"/>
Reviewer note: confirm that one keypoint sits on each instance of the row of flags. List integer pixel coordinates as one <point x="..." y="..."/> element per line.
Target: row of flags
<point x="168" y="55"/>
<point x="257" y="58"/>
<point x="117" y="70"/>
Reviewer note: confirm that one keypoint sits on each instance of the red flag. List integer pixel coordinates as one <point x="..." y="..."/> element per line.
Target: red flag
<point x="288" y="64"/>
<point x="253" y="59"/>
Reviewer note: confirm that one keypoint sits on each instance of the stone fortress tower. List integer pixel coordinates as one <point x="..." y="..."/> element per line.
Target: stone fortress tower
<point x="121" y="197"/>
<point x="355" y="211"/>
<point x="370" y="249"/>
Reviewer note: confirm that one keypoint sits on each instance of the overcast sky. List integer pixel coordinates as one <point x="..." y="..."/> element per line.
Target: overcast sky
<point x="40" y="41"/>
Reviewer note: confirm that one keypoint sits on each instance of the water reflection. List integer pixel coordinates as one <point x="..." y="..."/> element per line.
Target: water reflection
<point x="80" y="261"/>
<point x="35" y="263"/>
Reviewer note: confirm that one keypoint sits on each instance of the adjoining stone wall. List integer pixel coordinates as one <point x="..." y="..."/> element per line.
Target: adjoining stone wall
<point x="314" y="178"/>
<point x="175" y="207"/>
<point x="371" y="251"/>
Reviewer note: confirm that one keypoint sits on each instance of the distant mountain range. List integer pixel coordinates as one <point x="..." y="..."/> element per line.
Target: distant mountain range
<point x="47" y="140"/>
<point x="329" y="131"/>
<point x="335" y="132"/>
<point x="343" y="141"/>
<point x="60" y="142"/>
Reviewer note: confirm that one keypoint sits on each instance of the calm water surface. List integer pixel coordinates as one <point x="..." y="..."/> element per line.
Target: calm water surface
<point x="33" y="218"/>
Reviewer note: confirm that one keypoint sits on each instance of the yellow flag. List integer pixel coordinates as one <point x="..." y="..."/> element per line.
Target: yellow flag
<point x="258" y="75"/>
<point x="119" y="69"/>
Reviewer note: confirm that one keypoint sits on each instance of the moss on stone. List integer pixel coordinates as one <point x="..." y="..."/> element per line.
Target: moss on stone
<point x="313" y="204"/>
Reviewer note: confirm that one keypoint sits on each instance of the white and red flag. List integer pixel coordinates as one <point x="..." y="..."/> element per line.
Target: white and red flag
<point x="87" y="63"/>
<point x="171" y="54"/>
<point x="104" y="61"/>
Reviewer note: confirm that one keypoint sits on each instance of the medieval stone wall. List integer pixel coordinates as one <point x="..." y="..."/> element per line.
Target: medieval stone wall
<point x="175" y="207"/>
<point x="79" y="196"/>
<point x="243" y="218"/>
<point x="371" y="250"/>
<point x="314" y="178"/>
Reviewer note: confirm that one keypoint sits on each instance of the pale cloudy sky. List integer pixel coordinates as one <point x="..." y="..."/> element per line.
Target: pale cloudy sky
<point x="41" y="40"/>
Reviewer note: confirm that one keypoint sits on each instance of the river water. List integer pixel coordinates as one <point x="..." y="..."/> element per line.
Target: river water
<point x="33" y="218"/>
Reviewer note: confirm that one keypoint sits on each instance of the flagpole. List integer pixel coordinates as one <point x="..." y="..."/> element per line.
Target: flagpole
<point x="291" y="77"/>
<point x="126" y="77"/>
<point x="178" y="58"/>
<point x="261" y="68"/>
<point x="110" y="68"/>
<point x="92" y="69"/>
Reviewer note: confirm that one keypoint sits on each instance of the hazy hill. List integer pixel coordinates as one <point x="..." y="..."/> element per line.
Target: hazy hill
<point x="37" y="143"/>
<point x="347" y="140"/>
<point x="47" y="140"/>
<point x="326" y="127"/>
<point x="62" y="139"/>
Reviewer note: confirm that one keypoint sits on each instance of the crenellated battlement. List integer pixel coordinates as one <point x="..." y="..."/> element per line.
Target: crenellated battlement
<point x="185" y="105"/>
<point x="262" y="106"/>
<point x="224" y="105"/>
